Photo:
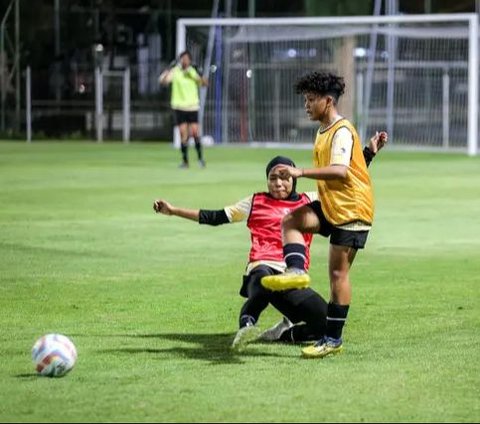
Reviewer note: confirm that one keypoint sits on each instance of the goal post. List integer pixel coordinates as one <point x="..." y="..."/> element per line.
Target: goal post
<point x="415" y="75"/>
<point x="120" y="81"/>
<point x="473" y="82"/>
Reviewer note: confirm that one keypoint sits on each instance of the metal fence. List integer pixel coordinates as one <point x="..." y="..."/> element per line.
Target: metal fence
<point x="73" y="115"/>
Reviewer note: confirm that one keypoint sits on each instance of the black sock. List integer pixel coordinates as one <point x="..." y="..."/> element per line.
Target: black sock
<point x="246" y="320"/>
<point x="184" y="149"/>
<point x="336" y="317"/>
<point x="294" y="254"/>
<point x="198" y="147"/>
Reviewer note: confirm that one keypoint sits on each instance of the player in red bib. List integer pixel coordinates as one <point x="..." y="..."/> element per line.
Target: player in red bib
<point x="304" y="310"/>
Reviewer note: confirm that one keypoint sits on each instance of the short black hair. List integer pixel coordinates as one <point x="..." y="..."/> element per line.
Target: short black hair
<point x="185" y="53"/>
<point x="322" y="83"/>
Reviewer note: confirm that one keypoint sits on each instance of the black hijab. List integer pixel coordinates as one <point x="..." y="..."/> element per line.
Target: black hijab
<point x="282" y="160"/>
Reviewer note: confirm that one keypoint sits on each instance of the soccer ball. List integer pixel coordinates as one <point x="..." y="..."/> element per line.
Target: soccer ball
<point x="54" y="355"/>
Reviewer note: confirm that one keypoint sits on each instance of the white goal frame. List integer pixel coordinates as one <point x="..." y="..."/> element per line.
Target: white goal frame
<point x="471" y="19"/>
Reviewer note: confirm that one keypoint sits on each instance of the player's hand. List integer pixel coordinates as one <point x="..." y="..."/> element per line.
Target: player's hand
<point x="172" y="64"/>
<point x="162" y="206"/>
<point x="378" y="141"/>
<point x="289" y="171"/>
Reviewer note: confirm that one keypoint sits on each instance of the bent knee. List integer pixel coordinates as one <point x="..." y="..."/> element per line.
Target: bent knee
<point x="289" y="221"/>
<point x="338" y="276"/>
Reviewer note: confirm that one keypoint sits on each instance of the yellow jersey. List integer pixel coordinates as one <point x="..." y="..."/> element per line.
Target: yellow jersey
<point x="346" y="200"/>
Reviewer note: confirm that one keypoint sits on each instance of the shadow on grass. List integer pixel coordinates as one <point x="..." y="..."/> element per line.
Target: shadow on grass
<point x="213" y="348"/>
<point x="27" y="376"/>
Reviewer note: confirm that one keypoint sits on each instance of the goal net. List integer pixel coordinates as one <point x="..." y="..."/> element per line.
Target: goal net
<point x="415" y="76"/>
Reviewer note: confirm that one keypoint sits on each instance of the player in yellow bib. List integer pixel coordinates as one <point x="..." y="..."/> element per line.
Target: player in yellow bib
<point x="344" y="211"/>
<point x="185" y="103"/>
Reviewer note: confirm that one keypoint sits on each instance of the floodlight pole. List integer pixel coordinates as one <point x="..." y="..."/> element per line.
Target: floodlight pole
<point x="391" y="10"/>
<point x="206" y="66"/>
<point x="28" y="104"/>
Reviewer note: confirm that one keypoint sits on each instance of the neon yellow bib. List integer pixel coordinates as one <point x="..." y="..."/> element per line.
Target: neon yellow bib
<point x="185" y="89"/>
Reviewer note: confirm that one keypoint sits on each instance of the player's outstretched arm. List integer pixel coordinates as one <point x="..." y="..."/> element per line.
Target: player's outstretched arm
<point x="377" y="142"/>
<point x="166" y="208"/>
<point x="202" y="216"/>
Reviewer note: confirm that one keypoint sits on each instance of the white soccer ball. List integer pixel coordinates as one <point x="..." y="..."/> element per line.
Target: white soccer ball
<point x="207" y="140"/>
<point x="54" y="355"/>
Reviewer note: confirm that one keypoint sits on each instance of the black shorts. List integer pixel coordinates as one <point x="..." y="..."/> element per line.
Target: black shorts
<point x="338" y="236"/>
<point x="185" y="117"/>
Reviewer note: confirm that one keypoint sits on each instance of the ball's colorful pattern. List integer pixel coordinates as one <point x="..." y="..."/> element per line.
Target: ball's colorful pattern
<point x="54" y="355"/>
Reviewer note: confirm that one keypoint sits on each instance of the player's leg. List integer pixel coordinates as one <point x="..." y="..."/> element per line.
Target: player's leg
<point x="257" y="300"/>
<point x="305" y="310"/>
<point x="340" y="262"/>
<point x="302" y="220"/>
<point x="195" y="133"/>
<point x="183" y="128"/>
<point x="313" y="312"/>
<point x="258" y="297"/>
<point x="282" y="302"/>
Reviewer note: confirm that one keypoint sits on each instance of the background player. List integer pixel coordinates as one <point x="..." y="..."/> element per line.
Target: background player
<point x="185" y="103"/>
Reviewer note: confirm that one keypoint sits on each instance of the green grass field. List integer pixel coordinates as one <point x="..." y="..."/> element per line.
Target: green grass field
<point x="151" y="302"/>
